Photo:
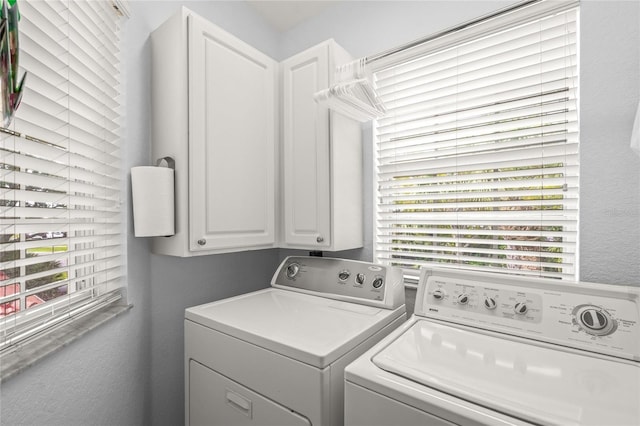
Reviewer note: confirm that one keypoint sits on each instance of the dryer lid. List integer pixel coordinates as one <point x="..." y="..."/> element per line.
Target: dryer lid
<point x="311" y="329"/>
<point x="536" y="383"/>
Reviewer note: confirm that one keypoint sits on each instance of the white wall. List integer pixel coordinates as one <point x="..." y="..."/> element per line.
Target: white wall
<point x="129" y="371"/>
<point x="369" y="27"/>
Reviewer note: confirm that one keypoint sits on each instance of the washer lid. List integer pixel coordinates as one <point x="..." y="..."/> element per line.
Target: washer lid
<point x="535" y="383"/>
<point x="311" y="329"/>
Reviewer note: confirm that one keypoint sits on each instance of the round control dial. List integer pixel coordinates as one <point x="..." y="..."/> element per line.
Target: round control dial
<point x="520" y="308"/>
<point x="377" y="283"/>
<point x="360" y="278"/>
<point x="438" y="294"/>
<point x="490" y="303"/>
<point x="463" y="299"/>
<point x="344" y="275"/>
<point x="292" y="270"/>
<point x="595" y="320"/>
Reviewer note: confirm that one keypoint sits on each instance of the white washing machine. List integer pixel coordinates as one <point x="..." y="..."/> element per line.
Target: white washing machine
<point x="486" y="349"/>
<point x="277" y="356"/>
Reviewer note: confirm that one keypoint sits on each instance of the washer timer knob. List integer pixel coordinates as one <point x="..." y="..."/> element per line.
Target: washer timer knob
<point x="490" y="303"/>
<point x="520" y="308"/>
<point x="344" y="275"/>
<point x="595" y="320"/>
<point x="438" y="294"/>
<point x="463" y="299"/>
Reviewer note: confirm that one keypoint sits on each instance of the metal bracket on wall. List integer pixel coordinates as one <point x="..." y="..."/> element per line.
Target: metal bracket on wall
<point x="171" y="163"/>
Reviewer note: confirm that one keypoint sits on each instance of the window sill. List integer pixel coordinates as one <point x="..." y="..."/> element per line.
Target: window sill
<point x="28" y="353"/>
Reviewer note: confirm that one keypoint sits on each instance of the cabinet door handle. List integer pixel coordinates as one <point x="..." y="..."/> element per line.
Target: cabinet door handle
<point x="202" y="242"/>
<point x="320" y="239"/>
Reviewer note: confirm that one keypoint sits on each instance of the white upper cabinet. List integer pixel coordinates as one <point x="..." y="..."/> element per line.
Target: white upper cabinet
<point x="214" y="112"/>
<point x="321" y="158"/>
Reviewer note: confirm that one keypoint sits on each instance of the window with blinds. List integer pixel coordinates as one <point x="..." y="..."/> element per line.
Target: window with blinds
<point x="477" y="158"/>
<point x="61" y="239"/>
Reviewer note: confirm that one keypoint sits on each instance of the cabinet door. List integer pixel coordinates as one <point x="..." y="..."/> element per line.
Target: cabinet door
<point x="231" y="141"/>
<point x="306" y="150"/>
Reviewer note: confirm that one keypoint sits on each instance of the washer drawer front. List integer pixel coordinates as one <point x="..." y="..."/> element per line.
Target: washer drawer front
<point x="217" y="400"/>
<point x="366" y="408"/>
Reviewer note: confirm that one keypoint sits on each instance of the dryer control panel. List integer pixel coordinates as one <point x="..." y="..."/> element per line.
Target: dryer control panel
<point x="596" y="317"/>
<point x="349" y="280"/>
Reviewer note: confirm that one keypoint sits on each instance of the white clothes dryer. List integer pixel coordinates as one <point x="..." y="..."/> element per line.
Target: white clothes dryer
<point x="488" y="349"/>
<point x="277" y="356"/>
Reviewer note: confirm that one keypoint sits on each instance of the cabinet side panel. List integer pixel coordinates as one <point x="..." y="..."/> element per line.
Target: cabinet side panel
<point x="347" y="183"/>
<point x="346" y="172"/>
<point x="169" y="115"/>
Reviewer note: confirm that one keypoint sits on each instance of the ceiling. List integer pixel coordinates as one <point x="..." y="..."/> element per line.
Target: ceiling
<point x="286" y="14"/>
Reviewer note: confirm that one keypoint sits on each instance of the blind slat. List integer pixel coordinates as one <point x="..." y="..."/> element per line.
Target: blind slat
<point x="522" y="106"/>
<point x="521" y="60"/>
<point x="57" y="238"/>
<point x="544" y="81"/>
<point x="524" y="157"/>
<point x="517" y="253"/>
<point x="533" y="240"/>
<point x="497" y="175"/>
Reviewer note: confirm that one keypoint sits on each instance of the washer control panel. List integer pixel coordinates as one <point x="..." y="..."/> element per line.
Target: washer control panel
<point x="466" y="298"/>
<point x="596" y="317"/>
<point x="349" y="280"/>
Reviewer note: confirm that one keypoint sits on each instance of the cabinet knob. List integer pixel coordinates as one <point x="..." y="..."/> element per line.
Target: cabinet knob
<point x="202" y="242"/>
<point x="319" y="239"/>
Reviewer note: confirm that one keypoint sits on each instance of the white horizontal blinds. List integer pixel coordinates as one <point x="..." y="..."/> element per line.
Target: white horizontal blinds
<point x="477" y="158"/>
<point x="60" y="168"/>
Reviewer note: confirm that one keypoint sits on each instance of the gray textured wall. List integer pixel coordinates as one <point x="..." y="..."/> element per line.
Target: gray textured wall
<point x="610" y="170"/>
